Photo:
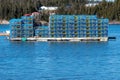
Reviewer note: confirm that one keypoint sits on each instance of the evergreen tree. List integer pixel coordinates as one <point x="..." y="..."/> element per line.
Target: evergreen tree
<point x="16" y="8"/>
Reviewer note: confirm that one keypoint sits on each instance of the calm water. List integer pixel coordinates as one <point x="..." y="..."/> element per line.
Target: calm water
<point x="60" y="61"/>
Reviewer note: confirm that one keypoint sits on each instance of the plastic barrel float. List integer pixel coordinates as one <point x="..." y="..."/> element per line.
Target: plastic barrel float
<point x="24" y="39"/>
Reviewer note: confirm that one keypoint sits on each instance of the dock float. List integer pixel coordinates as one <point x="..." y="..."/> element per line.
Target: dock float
<point x="111" y="38"/>
<point x="62" y="39"/>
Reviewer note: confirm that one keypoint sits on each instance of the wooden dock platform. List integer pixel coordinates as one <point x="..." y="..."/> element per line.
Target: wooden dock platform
<point x="63" y="39"/>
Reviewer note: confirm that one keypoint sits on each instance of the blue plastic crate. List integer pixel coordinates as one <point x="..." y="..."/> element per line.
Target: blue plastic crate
<point x="83" y="17"/>
<point x="44" y="27"/>
<point x="59" y="17"/>
<point x="105" y="20"/>
<point x="82" y="35"/>
<point x="15" y="21"/>
<point x="15" y="35"/>
<point x="28" y="21"/>
<point x="16" y="31"/>
<point x="16" y="27"/>
<point x="45" y="35"/>
<point x="70" y="17"/>
<point x="27" y="27"/>
<point x="59" y="24"/>
<point x="28" y="31"/>
<point x="27" y="18"/>
<point x="104" y="35"/>
<point x="27" y="35"/>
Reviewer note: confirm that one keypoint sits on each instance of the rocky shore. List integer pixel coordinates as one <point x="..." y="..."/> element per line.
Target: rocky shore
<point x="114" y="22"/>
<point x="44" y="22"/>
<point x="4" y="22"/>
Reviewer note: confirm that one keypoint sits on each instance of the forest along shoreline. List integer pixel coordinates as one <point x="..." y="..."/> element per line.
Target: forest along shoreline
<point x="7" y="22"/>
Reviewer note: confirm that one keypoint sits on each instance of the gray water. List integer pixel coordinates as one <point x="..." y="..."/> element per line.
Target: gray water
<point x="60" y="60"/>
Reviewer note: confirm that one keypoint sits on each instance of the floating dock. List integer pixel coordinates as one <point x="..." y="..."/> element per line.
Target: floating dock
<point x="73" y="28"/>
<point x="62" y="39"/>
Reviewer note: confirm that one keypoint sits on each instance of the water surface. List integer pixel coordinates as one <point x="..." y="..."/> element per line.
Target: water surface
<point x="60" y="60"/>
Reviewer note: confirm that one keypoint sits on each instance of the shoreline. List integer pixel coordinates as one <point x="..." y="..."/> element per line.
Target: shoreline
<point x="114" y="22"/>
<point x="7" y="22"/>
<point x="4" y="22"/>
